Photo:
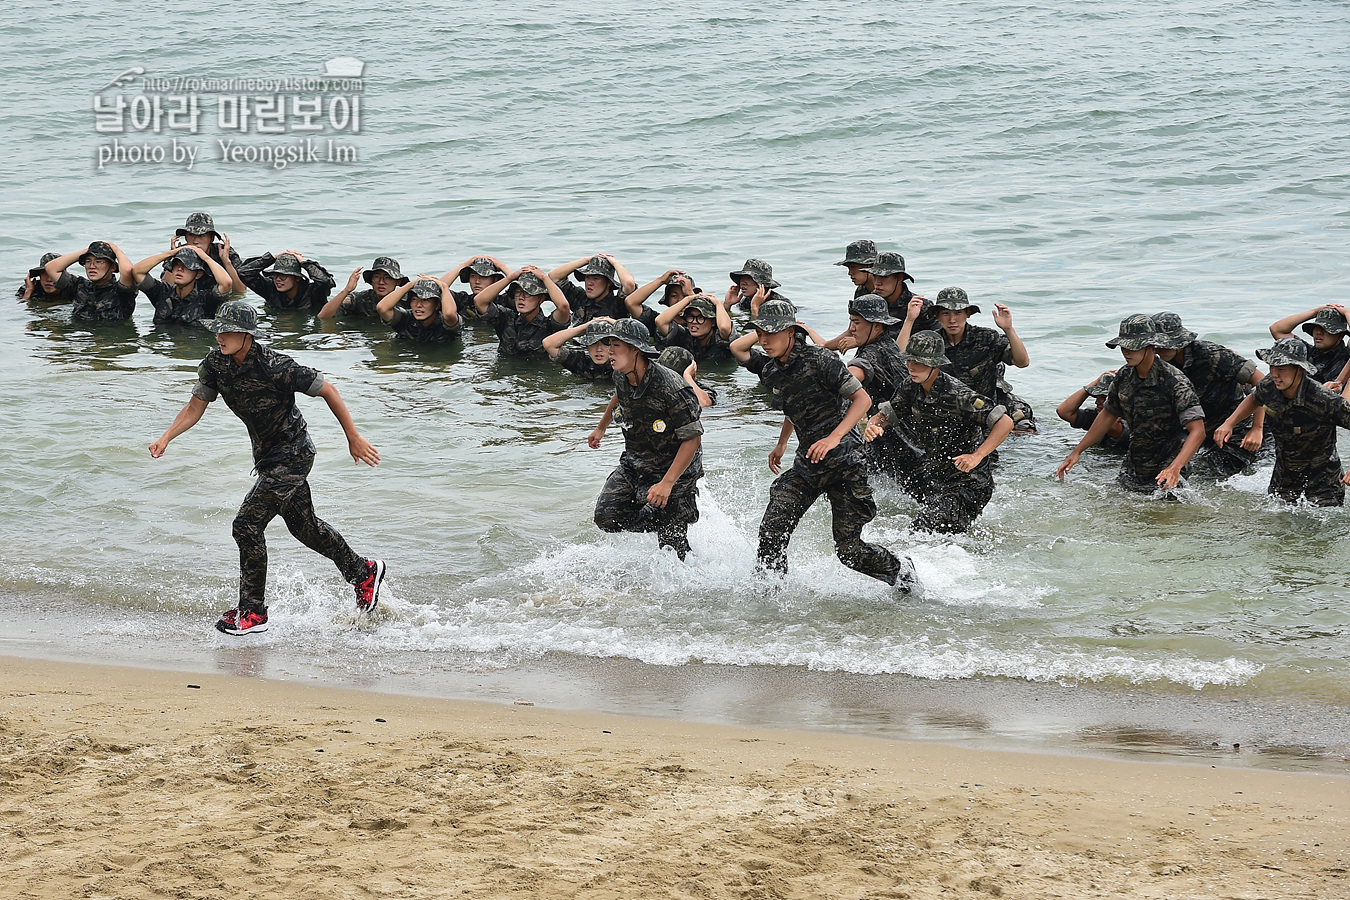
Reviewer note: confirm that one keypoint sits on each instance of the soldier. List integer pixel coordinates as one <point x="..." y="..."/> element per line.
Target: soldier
<point x="477" y="272"/>
<point x="859" y="256"/>
<point x="655" y="486"/>
<point x="1221" y="379"/>
<point x="39" y="287"/>
<point x="1303" y="414"/>
<point x="431" y="317"/>
<point x="591" y="359"/>
<point x="675" y="286"/>
<point x="823" y="403"/>
<point x="752" y="285"/>
<point x="519" y="320"/>
<point x="888" y="282"/>
<point x="200" y="231"/>
<point x="1329" y="354"/>
<point x="604" y="285"/>
<point x="706" y="330"/>
<point x="1157" y="402"/>
<point x="108" y="294"/>
<point x="383" y="276"/>
<point x="977" y="355"/>
<point x="682" y="362"/>
<point x="879" y="366"/>
<point x="188" y="297"/>
<point x="259" y="386"/>
<point x="954" y="479"/>
<point x="1072" y="410"/>
<point x="292" y="282"/>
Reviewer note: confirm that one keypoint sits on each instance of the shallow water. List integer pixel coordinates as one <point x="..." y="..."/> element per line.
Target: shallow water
<point x="1076" y="163"/>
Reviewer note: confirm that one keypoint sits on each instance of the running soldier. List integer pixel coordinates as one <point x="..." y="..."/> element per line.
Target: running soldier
<point x="879" y="365"/>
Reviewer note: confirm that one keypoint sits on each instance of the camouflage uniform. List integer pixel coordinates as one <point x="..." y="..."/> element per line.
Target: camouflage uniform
<point x="261" y="392"/>
<point x="716" y="349"/>
<point x="576" y="360"/>
<point x="1303" y="428"/>
<point x="584" y="308"/>
<point x="361" y="304"/>
<point x="516" y="336"/>
<point x="1157" y="409"/>
<point x="63" y="290"/>
<point x="313" y="292"/>
<point x="1221" y="379"/>
<point x="657" y="415"/>
<point x="107" y="303"/>
<point x="814" y="387"/>
<point x="896" y="453"/>
<point x="406" y="326"/>
<point x="1328" y="363"/>
<point x="200" y="303"/>
<point x="980" y="359"/>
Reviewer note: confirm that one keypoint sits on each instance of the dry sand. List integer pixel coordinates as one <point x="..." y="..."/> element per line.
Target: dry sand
<point x="128" y="783"/>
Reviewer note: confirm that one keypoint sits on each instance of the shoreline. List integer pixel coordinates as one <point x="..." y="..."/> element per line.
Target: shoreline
<point x="133" y="783"/>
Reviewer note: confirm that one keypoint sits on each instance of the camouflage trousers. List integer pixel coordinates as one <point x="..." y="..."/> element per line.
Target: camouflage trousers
<point x="1019" y="410"/>
<point x="1230" y="459"/>
<point x="895" y="453"/>
<point x="622" y="505"/>
<point x="284" y="490"/>
<point x="1321" y="485"/>
<point x="950" y="502"/>
<point x="851" y="507"/>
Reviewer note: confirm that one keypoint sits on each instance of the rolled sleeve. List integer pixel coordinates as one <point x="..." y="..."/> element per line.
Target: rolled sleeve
<point x="849" y="386"/>
<point x="887" y="412"/>
<point x="690" y="430"/>
<point x="204" y="392"/>
<point x="1192" y="414"/>
<point x="996" y="413"/>
<point x="317" y="387"/>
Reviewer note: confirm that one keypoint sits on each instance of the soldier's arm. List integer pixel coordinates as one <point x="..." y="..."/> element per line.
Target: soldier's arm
<point x="1102" y="424"/>
<point x="145" y="266"/>
<point x="740" y="348"/>
<point x="566" y="269"/>
<point x="672" y="312"/>
<point x="627" y="283"/>
<point x="1195" y="436"/>
<point x="223" y="280"/>
<point x="776" y="454"/>
<point x="188" y="416"/>
<point x="659" y="493"/>
<point x="1285" y="327"/>
<point x="1244" y="409"/>
<point x="125" y="269"/>
<point x="483" y="299"/>
<point x="640" y="295"/>
<point x="236" y="283"/>
<point x="330" y="309"/>
<point x="562" y="310"/>
<point x="360" y="448"/>
<point x="61" y="263"/>
<point x="1068" y="409"/>
<point x="449" y="308"/>
<point x="723" y="320"/>
<point x="250" y="273"/>
<point x="553" y="343"/>
<point x="967" y="461"/>
<point x="912" y="312"/>
<point x="385" y="308"/>
<point x="1251" y="442"/>
<point x="1003" y="319"/>
<point x="593" y="439"/>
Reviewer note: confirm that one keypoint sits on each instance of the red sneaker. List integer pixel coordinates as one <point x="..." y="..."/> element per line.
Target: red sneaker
<point x="368" y="588"/>
<point x="234" y="622"/>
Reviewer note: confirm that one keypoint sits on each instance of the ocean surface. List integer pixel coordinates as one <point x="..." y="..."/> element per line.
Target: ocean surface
<point x="1077" y="162"/>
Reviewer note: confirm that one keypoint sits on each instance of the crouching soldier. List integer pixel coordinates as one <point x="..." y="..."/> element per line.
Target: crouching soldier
<point x="107" y="294"/>
<point x="383" y="276"/>
<point x="955" y="480"/>
<point x="1302" y="415"/>
<point x="1072" y="410"/>
<point x="189" y="296"/>
<point x="292" y="282"/>
<point x="1157" y="402"/>
<point x="822" y="403"/>
<point x="259" y="386"/>
<point x="655" y="486"/>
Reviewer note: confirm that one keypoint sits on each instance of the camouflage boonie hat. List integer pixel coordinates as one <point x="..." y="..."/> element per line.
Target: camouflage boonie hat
<point x="1102" y="387"/>
<point x="759" y="270"/>
<point x="189" y="258"/>
<point x="1172" y="335"/>
<point x="1288" y="351"/>
<point x="596" y="332"/>
<point x="927" y="348"/>
<point x="674" y="281"/>
<point x="1136" y="333"/>
<point x="775" y="316"/>
<point x="955" y="299"/>
<point x="531" y="284"/>
<point x="890" y="263"/>
<point x="426" y="289"/>
<point x="1329" y="320"/>
<point x="285" y="264"/>
<point x="99" y="250"/>
<point x="389" y="266"/>
<point x="635" y="334"/>
<point x="42" y="264"/>
<point x="859" y="253"/>
<point x="481" y="265"/>
<point x="704" y="305"/>
<point x="235" y="316"/>
<point x="872" y="308"/>
<point x="198" y="223"/>
<point x="598" y="266"/>
<point x="677" y="359"/>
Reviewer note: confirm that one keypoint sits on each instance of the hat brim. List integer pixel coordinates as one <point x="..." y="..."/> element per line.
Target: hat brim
<point x="856" y="262"/>
<point x="183" y="232"/>
<point x="580" y="275"/>
<point x="1273" y="357"/>
<point x="369" y="276"/>
<point x="970" y="307"/>
<point x="270" y="273"/>
<point x="1309" y="326"/>
<point x="931" y="361"/>
<point x="770" y="284"/>
<point x="1135" y="343"/>
<point x="901" y="272"/>
<point x="219" y="327"/>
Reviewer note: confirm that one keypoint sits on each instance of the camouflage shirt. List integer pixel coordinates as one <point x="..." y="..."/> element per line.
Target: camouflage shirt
<point x="1303" y="426"/>
<point x="517" y="337"/>
<point x="657" y="415"/>
<point x="214" y="253"/>
<point x="63" y="291"/>
<point x="261" y="392"/>
<point x="1157" y="409"/>
<point x="468" y="311"/>
<point x="881" y="366"/>
<point x="1328" y="362"/>
<point x="744" y="303"/>
<point x="406" y="326"/>
<point x="948" y="420"/>
<point x="1220" y="378"/>
<point x="584" y="309"/>
<point x="109" y="302"/>
<point x="360" y="304"/>
<point x="814" y="388"/>
<point x="927" y="318"/>
<point x="976" y="359"/>
<point x="574" y="358"/>
<point x="311" y="296"/>
<point x="200" y="303"/>
<point x="716" y="349"/>
<point x="1083" y="419"/>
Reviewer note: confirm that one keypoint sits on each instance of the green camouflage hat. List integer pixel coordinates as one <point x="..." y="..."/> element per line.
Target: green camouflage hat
<point x="1136" y="333"/>
<point x="677" y="359"/>
<point x="775" y="316"/>
<point x="198" y="223"/>
<point x="872" y="308"/>
<point x="890" y="263"/>
<point x="1102" y="387"/>
<point x="99" y="250"/>
<point x="759" y="270"/>
<point x="427" y="289"/>
<point x="1172" y="335"/>
<point x="389" y="266"/>
<point x="531" y="284"/>
<point x="235" y="316"/>
<point x="955" y="299"/>
<point x="285" y="264"/>
<point x="859" y="253"/>
<point x="635" y="334"/>
<point x="188" y="257"/>
<point x="42" y="264"/>
<point x="598" y="266"/>
<point x="704" y="305"/>
<point x="671" y="283"/>
<point x="1329" y="320"/>
<point x="596" y="332"/>
<point x="481" y="265"/>
<point x="927" y="348"/>
<point x="1288" y="351"/>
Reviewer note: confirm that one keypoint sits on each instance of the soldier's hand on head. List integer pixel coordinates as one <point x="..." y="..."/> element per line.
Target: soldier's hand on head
<point x="914" y="308"/>
<point x="173" y="242"/>
<point x="299" y="257"/>
<point x="354" y="279"/>
<point x="197" y="250"/>
<point x="224" y="246"/>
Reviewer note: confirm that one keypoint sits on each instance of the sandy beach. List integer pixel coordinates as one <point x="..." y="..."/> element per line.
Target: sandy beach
<point x="132" y="783"/>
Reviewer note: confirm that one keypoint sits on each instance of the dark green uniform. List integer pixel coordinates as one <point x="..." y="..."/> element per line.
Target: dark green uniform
<point x="576" y="360"/>
<point x="105" y="303"/>
<point x="406" y="326"/>
<point x="1221" y="379"/>
<point x="896" y="453"/>
<point x="200" y="303"/>
<point x="311" y="296"/>
<point x="1157" y="409"/>
<point x="979" y="360"/>
<point x="515" y="335"/>
<point x="1303" y="428"/>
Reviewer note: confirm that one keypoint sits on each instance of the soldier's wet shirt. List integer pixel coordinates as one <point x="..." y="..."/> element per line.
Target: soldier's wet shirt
<point x="1157" y="408"/>
<point x="576" y="360"/>
<point x="1328" y="362"/>
<point x="882" y="367"/>
<point x="1304" y="431"/>
<point x="200" y="303"/>
<point x="657" y="415"/>
<point x="311" y="295"/>
<point x="515" y="335"/>
<point x="715" y="349"/>
<point x="435" y="331"/>
<point x="261" y="392"/>
<point x="948" y="420"/>
<point x="108" y="302"/>
<point x="361" y="304"/>
<point x="1083" y="420"/>
<point x="975" y="359"/>
<point x="584" y="308"/>
<point x="63" y="291"/>
<point x="1219" y="377"/>
<point x="925" y="321"/>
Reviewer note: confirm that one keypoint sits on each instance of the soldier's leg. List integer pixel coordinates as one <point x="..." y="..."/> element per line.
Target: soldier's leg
<point x="618" y="503"/>
<point x="1321" y="486"/>
<point x="1019" y="410"/>
<point x="952" y="508"/>
<point x="262" y="503"/>
<point x="318" y="535"/>
<point x="851" y="507"/>
<point x="789" y="498"/>
<point x="680" y="512"/>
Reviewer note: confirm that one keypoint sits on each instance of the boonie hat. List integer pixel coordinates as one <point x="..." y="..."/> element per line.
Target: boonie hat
<point x="859" y="253"/>
<point x="481" y="265"/>
<point x="597" y="331"/>
<point x="757" y="269"/>
<point x="285" y="264"/>
<point x="1102" y="387"/>
<point x="189" y="258"/>
<point x="1136" y="333"/>
<point x="427" y="289"/>
<point x="633" y="333"/>
<point x="890" y="263"/>
<point x="1172" y="334"/>
<point x="389" y="266"/>
<point x="198" y="223"/>
<point x="1329" y="320"/>
<point x="671" y="283"/>
<point x="235" y="316"/>
<point x="954" y="298"/>
<point x="775" y="316"/>
<point x="677" y="359"/>
<point x="598" y="266"/>
<point x="101" y="250"/>
<point x="531" y="283"/>
<point x="1288" y="351"/>
<point x="704" y="305"/>
<point x="927" y="348"/>
<point x="42" y="264"/>
<point x="872" y="308"/>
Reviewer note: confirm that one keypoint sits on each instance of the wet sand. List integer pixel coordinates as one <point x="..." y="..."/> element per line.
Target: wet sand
<point x="131" y="783"/>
